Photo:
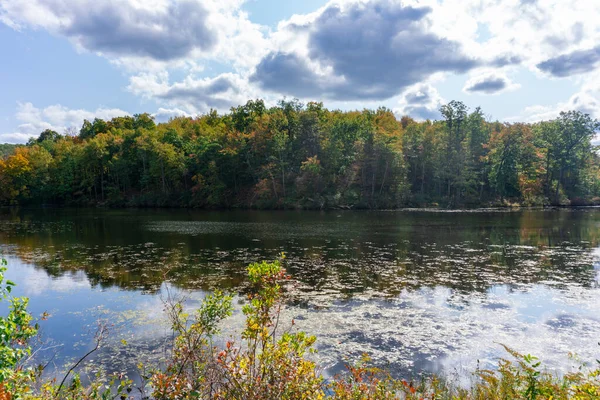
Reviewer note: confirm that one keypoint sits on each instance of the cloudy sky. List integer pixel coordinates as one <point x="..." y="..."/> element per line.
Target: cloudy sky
<point x="66" y="60"/>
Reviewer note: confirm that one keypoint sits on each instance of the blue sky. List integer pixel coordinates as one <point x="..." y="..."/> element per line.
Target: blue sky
<point x="66" y="60"/>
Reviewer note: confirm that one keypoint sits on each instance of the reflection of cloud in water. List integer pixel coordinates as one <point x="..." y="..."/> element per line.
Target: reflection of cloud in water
<point x="596" y="255"/>
<point x="418" y="291"/>
<point x="143" y="332"/>
<point x="36" y="282"/>
<point x="433" y="329"/>
<point x="437" y="330"/>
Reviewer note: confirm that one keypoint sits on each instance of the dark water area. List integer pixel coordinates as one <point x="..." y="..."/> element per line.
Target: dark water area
<point x="419" y="291"/>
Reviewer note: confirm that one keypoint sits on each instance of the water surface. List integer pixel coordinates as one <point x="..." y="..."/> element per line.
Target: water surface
<point x="419" y="291"/>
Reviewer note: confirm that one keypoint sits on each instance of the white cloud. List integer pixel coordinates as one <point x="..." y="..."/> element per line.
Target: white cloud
<point x="151" y="34"/>
<point x="501" y="35"/>
<point x="59" y="118"/>
<point x="162" y="30"/>
<point x="164" y="114"/>
<point x="358" y="51"/>
<point x="533" y="30"/>
<point x="193" y="95"/>
<point x="14" y="137"/>
<point x="420" y="102"/>
<point x="489" y="83"/>
<point x="348" y="51"/>
<point x="586" y="101"/>
<point x="368" y="49"/>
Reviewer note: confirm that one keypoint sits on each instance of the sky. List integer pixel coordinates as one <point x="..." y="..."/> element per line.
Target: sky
<point x="64" y="61"/>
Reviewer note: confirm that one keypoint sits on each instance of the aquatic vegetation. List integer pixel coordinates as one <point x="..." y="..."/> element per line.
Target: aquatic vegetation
<point x="272" y="359"/>
<point x="269" y="363"/>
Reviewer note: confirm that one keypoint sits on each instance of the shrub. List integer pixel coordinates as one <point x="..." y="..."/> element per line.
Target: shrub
<point x="269" y="362"/>
<point x="16" y="330"/>
<point x="17" y="381"/>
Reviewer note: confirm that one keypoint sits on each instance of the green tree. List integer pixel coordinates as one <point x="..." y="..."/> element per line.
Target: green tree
<point x="568" y="143"/>
<point x="455" y="116"/>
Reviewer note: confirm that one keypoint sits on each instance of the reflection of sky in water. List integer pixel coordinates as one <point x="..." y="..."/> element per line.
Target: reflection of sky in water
<point x="75" y="309"/>
<point x="416" y="291"/>
<point x="431" y="329"/>
<point x="434" y="329"/>
<point x="597" y="264"/>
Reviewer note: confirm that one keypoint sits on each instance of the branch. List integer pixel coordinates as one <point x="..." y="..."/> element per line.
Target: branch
<point x="100" y="333"/>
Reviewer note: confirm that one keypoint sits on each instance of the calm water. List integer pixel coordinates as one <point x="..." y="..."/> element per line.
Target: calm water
<point x="418" y="291"/>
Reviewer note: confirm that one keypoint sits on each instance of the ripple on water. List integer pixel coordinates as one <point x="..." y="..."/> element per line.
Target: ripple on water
<point x="419" y="292"/>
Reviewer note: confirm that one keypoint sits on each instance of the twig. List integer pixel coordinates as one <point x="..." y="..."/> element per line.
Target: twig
<point x="99" y="337"/>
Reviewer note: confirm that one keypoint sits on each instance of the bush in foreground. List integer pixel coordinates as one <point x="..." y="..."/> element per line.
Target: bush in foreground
<point x="269" y="362"/>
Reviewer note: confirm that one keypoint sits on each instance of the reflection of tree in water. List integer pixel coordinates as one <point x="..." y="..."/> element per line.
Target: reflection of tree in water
<point x="336" y="254"/>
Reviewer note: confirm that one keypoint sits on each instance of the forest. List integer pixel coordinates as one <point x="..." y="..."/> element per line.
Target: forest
<point x="306" y="156"/>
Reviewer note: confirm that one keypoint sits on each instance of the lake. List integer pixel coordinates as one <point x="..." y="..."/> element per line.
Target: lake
<point x="419" y="291"/>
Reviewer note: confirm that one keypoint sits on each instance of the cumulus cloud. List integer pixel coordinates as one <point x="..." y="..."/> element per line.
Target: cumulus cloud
<point x="144" y="34"/>
<point x="34" y="120"/>
<point x="576" y="62"/>
<point x="504" y="60"/>
<point x="515" y="32"/>
<point x="346" y="51"/>
<point x="14" y="137"/>
<point x="192" y="95"/>
<point x="420" y="102"/>
<point x="164" y="31"/>
<point x="586" y="101"/>
<point x="360" y="50"/>
<point x="371" y="50"/>
<point x="289" y="73"/>
<point x="164" y="36"/>
<point x="164" y="114"/>
<point x="489" y="83"/>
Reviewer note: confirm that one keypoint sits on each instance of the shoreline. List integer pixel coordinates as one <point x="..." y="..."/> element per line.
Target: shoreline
<point x="325" y="209"/>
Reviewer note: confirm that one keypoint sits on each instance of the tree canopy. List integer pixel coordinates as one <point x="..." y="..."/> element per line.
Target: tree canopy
<point x="296" y="155"/>
<point x="6" y="149"/>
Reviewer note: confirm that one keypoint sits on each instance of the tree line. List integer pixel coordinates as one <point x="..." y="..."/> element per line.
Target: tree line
<point x="296" y="155"/>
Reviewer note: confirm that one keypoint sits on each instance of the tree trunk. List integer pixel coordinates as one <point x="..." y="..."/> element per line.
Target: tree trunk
<point x="162" y="172"/>
<point x="274" y="186"/>
<point x="547" y="188"/>
<point x="556" y="195"/>
<point x="387" y="163"/>
<point x="282" y="175"/>
<point x="373" y="187"/>
<point x="422" y="176"/>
